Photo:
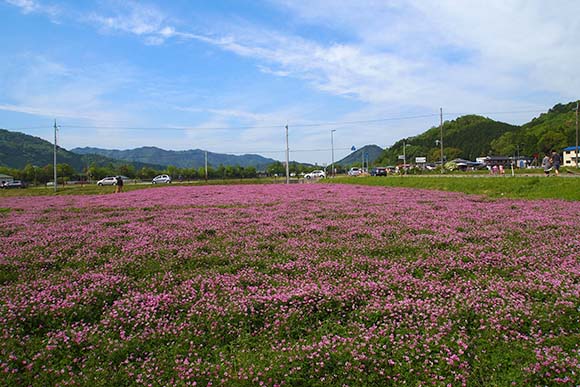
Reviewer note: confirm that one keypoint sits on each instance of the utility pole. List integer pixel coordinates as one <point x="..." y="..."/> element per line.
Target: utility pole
<point x="405" y="156"/>
<point x="441" y="140"/>
<point x="576" y="135"/>
<point x="287" y="158"/>
<point x="332" y="146"/>
<point x="54" y="161"/>
<point x="206" y="166"/>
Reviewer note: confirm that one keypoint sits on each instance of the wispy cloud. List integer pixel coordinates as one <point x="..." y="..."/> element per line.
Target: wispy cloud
<point x="32" y="6"/>
<point x="51" y="89"/>
<point x="375" y="57"/>
<point x="140" y="19"/>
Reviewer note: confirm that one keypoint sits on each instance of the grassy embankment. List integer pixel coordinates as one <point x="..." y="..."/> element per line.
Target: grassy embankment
<point x="93" y="189"/>
<point x="520" y="187"/>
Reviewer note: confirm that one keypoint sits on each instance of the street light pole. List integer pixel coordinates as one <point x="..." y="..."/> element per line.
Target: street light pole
<point x="405" y="156"/>
<point x="576" y="135"/>
<point x="54" y="161"/>
<point x="441" y="141"/>
<point x="332" y="147"/>
<point x="287" y="158"/>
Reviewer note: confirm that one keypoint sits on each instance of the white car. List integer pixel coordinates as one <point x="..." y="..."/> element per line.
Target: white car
<point x="354" y="171"/>
<point x="317" y="174"/>
<point x="161" y="179"/>
<point x="109" y="180"/>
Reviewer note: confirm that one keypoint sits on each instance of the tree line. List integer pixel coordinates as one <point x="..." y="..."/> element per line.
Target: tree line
<point x="66" y="173"/>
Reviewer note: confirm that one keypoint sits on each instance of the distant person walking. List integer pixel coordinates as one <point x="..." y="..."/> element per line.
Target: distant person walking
<point x="546" y="164"/>
<point x="119" y="185"/>
<point x="556" y="160"/>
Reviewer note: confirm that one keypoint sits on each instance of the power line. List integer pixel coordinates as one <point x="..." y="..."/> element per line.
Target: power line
<point x="297" y="125"/>
<point x="498" y="112"/>
<point x="30" y="127"/>
<point x="300" y="125"/>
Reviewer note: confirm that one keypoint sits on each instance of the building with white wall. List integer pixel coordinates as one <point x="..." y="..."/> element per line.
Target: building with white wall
<point x="570" y="157"/>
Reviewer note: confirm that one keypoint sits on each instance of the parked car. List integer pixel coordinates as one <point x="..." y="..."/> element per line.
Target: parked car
<point x="354" y="171"/>
<point x="14" y="184"/>
<point x="379" y="171"/>
<point x="109" y="180"/>
<point x="161" y="179"/>
<point x="317" y="174"/>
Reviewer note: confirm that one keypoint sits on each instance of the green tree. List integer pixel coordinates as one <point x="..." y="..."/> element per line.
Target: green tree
<point x="249" y="172"/>
<point x="276" y="168"/>
<point x="451" y="153"/>
<point x="173" y="171"/>
<point x="552" y="141"/>
<point x="146" y="173"/>
<point x="127" y="170"/>
<point x="64" y="172"/>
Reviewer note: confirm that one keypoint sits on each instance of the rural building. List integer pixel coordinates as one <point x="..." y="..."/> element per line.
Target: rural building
<point x="570" y="157"/>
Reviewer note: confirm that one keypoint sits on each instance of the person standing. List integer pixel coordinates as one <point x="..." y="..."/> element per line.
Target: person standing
<point x="546" y="164"/>
<point x="556" y="160"/>
<point x="119" y="186"/>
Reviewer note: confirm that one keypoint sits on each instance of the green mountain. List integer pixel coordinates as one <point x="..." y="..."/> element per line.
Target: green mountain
<point x="181" y="159"/>
<point x="371" y="153"/>
<point x="466" y="137"/>
<point x="472" y="136"/>
<point x="553" y="130"/>
<point x="18" y="149"/>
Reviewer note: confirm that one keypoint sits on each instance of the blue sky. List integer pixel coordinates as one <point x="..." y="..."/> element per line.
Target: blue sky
<point x="226" y="76"/>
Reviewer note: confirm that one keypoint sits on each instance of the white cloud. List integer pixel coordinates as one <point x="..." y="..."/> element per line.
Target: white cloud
<point x="32" y="6"/>
<point x="50" y="89"/>
<point x="390" y="57"/>
<point x="136" y="18"/>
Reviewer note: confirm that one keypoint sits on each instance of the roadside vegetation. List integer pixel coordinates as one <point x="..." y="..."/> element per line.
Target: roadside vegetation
<point x="522" y="187"/>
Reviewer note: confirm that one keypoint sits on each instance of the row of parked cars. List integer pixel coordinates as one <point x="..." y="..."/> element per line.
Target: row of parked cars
<point x="354" y="171"/>
<point x="112" y="180"/>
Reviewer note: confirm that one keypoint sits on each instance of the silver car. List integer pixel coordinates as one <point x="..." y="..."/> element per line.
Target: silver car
<point x="109" y="180"/>
<point x="161" y="179"/>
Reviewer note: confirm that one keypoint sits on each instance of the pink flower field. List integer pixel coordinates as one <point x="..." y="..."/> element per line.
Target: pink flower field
<point x="300" y="285"/>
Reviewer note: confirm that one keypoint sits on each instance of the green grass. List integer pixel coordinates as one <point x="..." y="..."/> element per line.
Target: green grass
<point x="520" y="187"/>
<point x="93" y="189"/>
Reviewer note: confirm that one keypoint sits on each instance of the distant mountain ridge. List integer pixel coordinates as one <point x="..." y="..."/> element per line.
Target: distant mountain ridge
<point x="192" y="158"/>
<point x="466" y="137"/>
<point x="19" y="149"/>
<point x="371" y="153"/>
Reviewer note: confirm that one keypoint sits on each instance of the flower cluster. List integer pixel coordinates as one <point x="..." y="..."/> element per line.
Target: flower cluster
<point x="289" y="285"/>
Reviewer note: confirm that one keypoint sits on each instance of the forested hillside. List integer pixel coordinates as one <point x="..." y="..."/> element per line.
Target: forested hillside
<point x="18" y="150"/>
<point x="555" y="129"/>
<point x="472" y="136"/>
<point x="466" y="137"/>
